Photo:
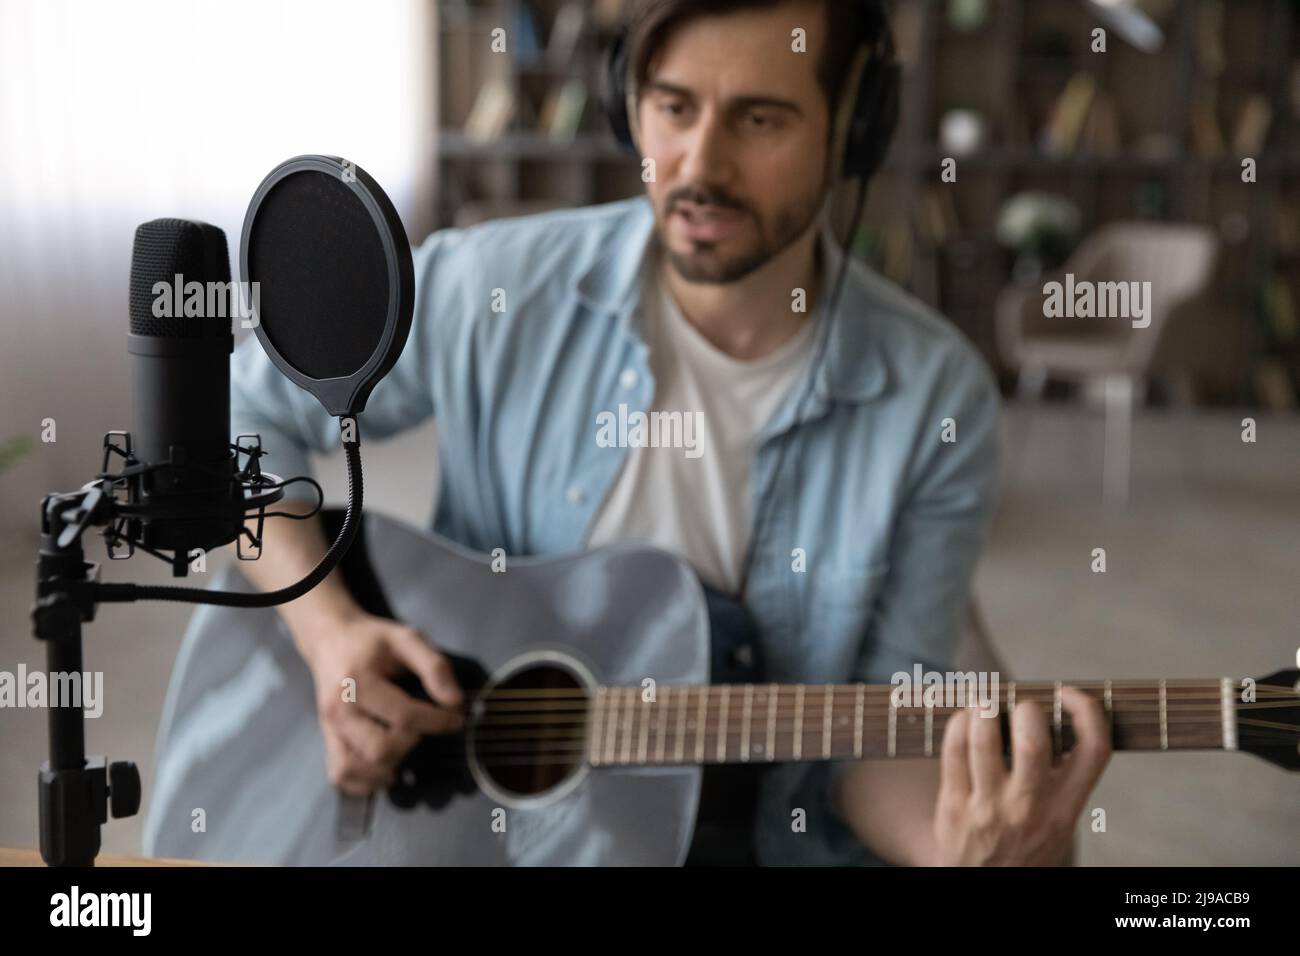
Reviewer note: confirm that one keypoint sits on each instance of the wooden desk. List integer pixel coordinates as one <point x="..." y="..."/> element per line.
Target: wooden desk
<point x="13" y="857"/>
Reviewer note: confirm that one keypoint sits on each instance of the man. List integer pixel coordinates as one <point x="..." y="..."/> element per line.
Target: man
<point x="531" y="332"/>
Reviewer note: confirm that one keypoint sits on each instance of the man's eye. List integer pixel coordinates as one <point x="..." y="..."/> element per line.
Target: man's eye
<point x="671" y="108"/>
<point x="758" y="121"/>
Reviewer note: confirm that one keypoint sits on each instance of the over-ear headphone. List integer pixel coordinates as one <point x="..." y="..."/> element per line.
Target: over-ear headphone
<point x="865" y="119"/>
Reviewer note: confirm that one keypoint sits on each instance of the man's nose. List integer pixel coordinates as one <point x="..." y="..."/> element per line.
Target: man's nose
<point x="707" y="158"/>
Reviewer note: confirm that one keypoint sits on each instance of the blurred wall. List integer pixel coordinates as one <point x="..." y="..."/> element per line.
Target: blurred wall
<point x="112" y="114"/>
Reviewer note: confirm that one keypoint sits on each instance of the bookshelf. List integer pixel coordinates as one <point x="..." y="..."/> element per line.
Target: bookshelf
<point x="1161" y="135"/>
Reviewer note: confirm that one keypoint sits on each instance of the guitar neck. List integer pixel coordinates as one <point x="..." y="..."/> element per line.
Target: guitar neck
<point x="770" y="723"/>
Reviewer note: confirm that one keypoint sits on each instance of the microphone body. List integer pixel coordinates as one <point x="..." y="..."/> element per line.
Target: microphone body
<point x="180" y="343"/>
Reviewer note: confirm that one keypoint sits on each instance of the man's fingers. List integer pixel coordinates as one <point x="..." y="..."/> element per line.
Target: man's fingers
<point x="370" y="741"/>
<point x="954" y="762"/>
<point x="403" y="713"/>
<point x="1092" y="744"/>
<point x="1031" y="749"/>
<point x="984" y="745"/>
<point x="348" y="772"/>
<point x="433" y="668"/>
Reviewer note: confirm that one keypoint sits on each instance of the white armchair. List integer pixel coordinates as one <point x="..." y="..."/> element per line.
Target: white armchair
<point x="1176" y="258"/>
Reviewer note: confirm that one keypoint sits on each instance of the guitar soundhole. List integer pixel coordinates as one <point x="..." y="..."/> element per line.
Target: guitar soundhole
<point x="529" y="729"/>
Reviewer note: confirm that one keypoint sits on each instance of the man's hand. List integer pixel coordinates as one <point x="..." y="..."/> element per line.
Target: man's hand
<point x="989" y="816"/>
<point x="367" y="737"/>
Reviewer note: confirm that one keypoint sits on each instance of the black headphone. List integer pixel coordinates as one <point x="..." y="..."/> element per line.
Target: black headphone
<point x="870" y="124"/>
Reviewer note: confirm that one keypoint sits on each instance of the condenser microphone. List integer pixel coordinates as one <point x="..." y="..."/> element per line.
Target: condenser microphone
<point x="182" y="301"/>
<point x="328" y="266"/>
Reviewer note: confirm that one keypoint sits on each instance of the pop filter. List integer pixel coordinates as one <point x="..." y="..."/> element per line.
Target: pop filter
<point x="335" y="283"/>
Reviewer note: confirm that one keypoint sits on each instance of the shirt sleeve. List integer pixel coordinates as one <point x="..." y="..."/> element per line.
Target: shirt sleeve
<point x="938" y="534"/>
<point x="292" y="423"/>
<point x="939" y="531"/>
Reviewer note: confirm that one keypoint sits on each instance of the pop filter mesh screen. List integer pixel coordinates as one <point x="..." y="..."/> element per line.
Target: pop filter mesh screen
<point x="316" y="254"/>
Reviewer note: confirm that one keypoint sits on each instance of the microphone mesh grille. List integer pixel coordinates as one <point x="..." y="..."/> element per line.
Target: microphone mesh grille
<point x="323" y="277"/>
<point x="163" y="249"/>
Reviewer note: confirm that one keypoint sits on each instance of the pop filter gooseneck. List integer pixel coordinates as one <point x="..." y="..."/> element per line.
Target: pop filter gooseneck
<point x="335" y="294"/>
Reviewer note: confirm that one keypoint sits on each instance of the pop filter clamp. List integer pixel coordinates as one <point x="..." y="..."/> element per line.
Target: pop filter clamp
<point x="293" y="247"/>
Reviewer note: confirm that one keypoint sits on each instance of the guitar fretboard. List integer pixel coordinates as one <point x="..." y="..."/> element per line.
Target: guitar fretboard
<point x="767" y="723"/>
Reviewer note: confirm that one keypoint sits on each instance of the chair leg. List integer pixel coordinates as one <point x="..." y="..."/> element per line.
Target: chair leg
<point x="1116" y="458"/>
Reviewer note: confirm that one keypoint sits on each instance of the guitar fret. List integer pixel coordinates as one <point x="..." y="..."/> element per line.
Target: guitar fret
<point x="798" y="722"/>
<point x="857" y="722"/>
<point x="1057" y="742"/>
<point x="772" y="697"/>
<point x="680" y="751"/>
<point x="1164" y="718"/>
<point x="611" y="729"/>
<point x="893" y="725"/>
<point x="593" y="733"/>
<point x="724" y="728"/>
<point x="700" y="725"/>
<point x="744" y="727"/>
<point x="1229" y="714"/>
<point x="826" y="720"/>
<point x="645" y="728"/>
<point x="660" y="706"/>
<point x="1108" y="703"/>
<point x="629" y="694"/>
<point x="929" y="728"/>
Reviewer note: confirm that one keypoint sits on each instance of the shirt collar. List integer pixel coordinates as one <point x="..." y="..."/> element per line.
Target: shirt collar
<point x="852" y="370"/>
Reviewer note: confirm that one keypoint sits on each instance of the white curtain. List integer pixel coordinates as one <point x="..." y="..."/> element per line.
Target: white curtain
<point x="114" y="113"/>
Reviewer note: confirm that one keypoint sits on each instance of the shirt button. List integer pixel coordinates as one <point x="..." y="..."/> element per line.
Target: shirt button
<point x="575" y="495"/>
<point x="629" y="378"/>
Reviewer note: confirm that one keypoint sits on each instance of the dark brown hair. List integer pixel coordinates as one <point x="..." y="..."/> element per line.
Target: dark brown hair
<point x="849" y="25"/>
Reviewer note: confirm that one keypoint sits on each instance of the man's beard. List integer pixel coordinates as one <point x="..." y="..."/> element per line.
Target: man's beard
<point x="706" y="263"/>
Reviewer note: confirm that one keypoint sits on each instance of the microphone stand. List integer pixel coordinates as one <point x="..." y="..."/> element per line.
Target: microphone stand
<point x="76" y="791"/>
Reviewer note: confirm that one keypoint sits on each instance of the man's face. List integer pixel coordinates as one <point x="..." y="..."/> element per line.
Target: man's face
<point x="737" y="125"/>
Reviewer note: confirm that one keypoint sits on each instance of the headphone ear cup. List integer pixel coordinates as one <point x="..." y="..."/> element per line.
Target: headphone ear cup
<point x="874" y="120"/>
<point x="615" y="102"/>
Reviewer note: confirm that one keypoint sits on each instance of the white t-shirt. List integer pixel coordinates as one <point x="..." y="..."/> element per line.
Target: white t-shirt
<point x="694" y="500"/>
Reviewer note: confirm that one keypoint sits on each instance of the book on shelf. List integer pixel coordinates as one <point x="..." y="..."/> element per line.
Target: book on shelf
<point x="1286" y="228"/>
<point x="1273" y="386"/>
<point x="492" y="112"/>
<point x="1101" y="129"/>
<point x="1060" y="135"/>
<point x="1209" y="38"/>
<point x="1207" y="137"/>
<point x="1252" y="126"/>
<point x="936" y="216"/>
<point x="524" y="44"/>
<point x="566" y="33"/>
<point x="1280" y="307"/>
<point x="561" y="115"/>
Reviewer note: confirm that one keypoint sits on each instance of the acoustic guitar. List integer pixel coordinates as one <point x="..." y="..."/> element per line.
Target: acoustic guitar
<point x="590" y="717"/>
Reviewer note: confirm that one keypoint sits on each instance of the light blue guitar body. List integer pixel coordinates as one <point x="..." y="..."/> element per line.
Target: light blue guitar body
<point x="240" y="740"/>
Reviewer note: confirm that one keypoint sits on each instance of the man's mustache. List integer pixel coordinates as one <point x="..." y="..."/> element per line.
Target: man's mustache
<point x="703" y="196"/>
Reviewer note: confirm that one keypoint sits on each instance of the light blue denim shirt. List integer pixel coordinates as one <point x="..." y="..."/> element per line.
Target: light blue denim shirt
<point x="889" y="514"/>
